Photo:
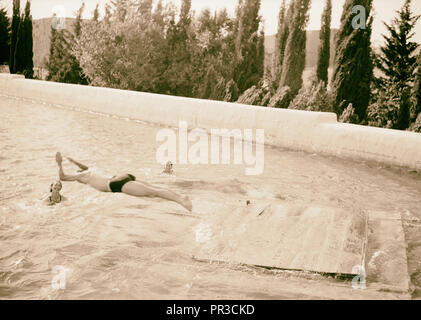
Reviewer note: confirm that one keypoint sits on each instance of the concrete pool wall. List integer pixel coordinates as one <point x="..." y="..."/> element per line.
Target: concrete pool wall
<point x="297" y="130"/>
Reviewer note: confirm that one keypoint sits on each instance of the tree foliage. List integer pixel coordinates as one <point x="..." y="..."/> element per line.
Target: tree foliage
<point x="280" y="43"/>
<point x="14" y="34"/>
<point x="397" y="60"/>
<point x="248" y="60"/>
<point x="397" y="63"/>
<point x="383" y="112"/>
<point x="295" y="52"/>
<point x="24" y="53"/>
<point x="353" y="70"/>
<point x="62" y="65"/>
<point x="349" y="115"/>
<point x="4" y="36"/>
<point x="314" y="97"/>
<point x="416" y="92"/>
<point x="324" y="50"/>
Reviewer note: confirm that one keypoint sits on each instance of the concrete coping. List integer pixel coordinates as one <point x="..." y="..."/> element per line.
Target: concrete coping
<point x="294" y="129"/>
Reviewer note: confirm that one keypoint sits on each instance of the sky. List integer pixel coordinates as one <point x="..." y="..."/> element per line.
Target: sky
<point x="384" y="10"/>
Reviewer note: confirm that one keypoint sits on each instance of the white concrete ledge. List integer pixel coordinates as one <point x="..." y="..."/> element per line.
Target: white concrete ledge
<point x="298" y="130"/>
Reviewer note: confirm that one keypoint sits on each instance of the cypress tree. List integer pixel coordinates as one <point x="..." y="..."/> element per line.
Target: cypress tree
<point x="29" y="40"/>
<point x="179" y="73"/>
<point x="295" y="51"/>
<point x="260" y="56"/>
<point x="78" y="23"/>
<point x="353" y="71"/>
<point x="52" y="66"/>
<point x="14" y="34"/>
<point x="63" y="65"/>
<point x="324" y="50"/>
<point x="248" y="68"/>
<point x="397" y="60"/>
<point x="4" y="36"/>
<point x="20" y="49"/>
<point x="95" y="16"/>
<point x="404" y="110"/>
<point x="416" y="92"/>
<point x="107" y="15"/>
<point x="278" y="56"/>
<point x="24" y="54"/>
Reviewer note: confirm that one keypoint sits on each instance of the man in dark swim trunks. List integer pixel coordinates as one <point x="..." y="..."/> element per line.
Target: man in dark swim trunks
<point x="126" y="184"/>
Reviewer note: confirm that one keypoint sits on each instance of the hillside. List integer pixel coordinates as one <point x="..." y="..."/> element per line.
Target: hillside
<point x="313" y="43"/>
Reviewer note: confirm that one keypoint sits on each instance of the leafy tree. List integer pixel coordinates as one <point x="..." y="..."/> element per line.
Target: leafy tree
<point x="181" y="70"/>
<point x="295" y="51"/>
<point x="4" y="36"/>
<point x="131" y="50"/>
<point x="353" y="70"/>
<point x="14" y="34"/>
<point x="324" y="50"/>
<point x="214" y="33"/>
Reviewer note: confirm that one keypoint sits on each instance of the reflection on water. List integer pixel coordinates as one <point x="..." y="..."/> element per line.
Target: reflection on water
<point x="117" y="247"/>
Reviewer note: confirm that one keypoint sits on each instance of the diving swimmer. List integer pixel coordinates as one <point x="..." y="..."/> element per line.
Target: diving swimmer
<point x="126" y="183"/>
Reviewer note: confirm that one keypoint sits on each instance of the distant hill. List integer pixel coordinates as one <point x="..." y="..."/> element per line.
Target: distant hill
<point x="42" y="35"/>
<point x="312" y="48"/>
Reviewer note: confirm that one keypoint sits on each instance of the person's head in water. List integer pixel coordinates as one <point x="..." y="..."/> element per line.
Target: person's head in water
<point x="55" y="189"/>
<point x="168" y="167"/>
<point x="56" y="186"/>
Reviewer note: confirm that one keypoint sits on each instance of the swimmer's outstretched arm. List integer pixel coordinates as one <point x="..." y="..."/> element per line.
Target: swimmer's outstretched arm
<point x="62" y="175"/>
<point x="80" y="165"/>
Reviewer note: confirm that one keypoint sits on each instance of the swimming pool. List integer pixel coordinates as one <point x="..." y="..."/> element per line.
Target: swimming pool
<point x="117" y="247"/>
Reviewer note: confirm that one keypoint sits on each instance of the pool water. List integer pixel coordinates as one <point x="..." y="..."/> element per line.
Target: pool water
<point x="112" y="246"/>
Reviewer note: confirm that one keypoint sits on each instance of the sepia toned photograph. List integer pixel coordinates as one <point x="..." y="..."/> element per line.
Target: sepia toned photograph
<point x="186" y="150"/>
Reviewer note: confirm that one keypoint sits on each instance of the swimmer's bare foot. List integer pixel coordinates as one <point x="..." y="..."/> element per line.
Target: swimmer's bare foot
<point x="186" y="203"/>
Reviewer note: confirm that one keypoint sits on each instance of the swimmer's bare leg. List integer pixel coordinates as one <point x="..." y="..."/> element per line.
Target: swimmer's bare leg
<point x="139" y="189"/>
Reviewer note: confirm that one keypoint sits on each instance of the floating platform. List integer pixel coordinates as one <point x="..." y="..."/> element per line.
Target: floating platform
<point x="323" y="240"/>
<point x="281" y="236"/>
<point x="386" y="258"/>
